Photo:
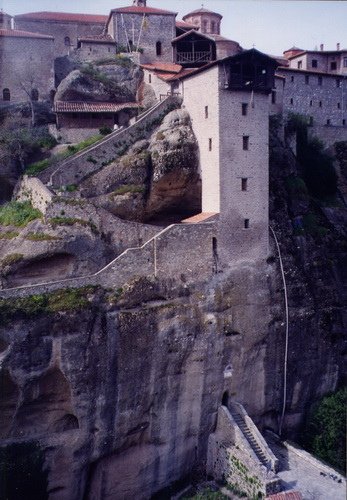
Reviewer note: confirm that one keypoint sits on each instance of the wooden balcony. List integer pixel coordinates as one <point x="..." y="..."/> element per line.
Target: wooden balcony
<point x="193" y="57"/>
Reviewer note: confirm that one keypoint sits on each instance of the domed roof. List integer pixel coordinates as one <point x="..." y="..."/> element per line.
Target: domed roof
<point x="200" y="11"/>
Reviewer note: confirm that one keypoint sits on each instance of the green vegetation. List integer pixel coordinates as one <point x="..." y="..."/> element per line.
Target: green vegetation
<point x="9" y="235"/>
<point x="18" y="213"/>
<point x="128" y="188"/>
<point x="11" y="258"/>
<point x="91" y="159"/>
<point x="318" y="168"/>
<point x="70" y="188"/>
<point x="208" y="494"/>
<point x="324" y="433"/>
<point x="104" y="130"/>
<point x="311" y="225"/>
<point x="296" y="187"/>
<point x="70" y="221"/>
<point x="34" y="168"/>
<point x="160" y="136"/>
<point x="22" y="471"/>
<point x="68" y="299"/>
<point x="40" y="237"/>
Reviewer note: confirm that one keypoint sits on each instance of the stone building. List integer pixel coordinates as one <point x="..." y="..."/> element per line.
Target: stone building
<point x="5" y="21"/>
<point x="323" y="61"/>
<point x="66" y="28"/>
<point x="205" y="20"/>
<point x="26" y="65"/>
<point x="91" y="48"/>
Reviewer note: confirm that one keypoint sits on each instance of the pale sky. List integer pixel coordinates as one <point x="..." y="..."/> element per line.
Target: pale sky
<point x="271" y="26"/>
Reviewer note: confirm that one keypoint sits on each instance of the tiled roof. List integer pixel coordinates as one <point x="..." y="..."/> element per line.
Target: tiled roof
<point x="23" y="34"/>
<point x="165" y="67"/>
<point x="63" y="16"/>
<point x="286" y="495"/>
<point x="134" y="9"/>
<point x="202" y="11"/>
<point x="184" y="25"/>
<point x="91" y="107"/>
<point x="105" y="38"/>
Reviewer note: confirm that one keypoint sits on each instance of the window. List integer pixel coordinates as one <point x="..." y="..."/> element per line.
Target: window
<point x="67" y="41"/>
<point x="206" y="111"/>
<point x="311" y="121"/>
<point x="245" y="142"/>
<point x="149" y="78"/>
<point x="273" y="97"/>
<point x="51" y="95"/>
<point x="338" y="105"/>
<point x="244" y="108"/>
<point x="246" y="223"/>
<point x="244" y="184"/>
<point x="210" y="144"/>
<point x="6" y="95"/>
<point x="343" y="122"/>
<point x="320" y="104"/>
<point x="314" y="63"/>
<point x="338" y="83"/>
<point x="213" y="26"/>
<point x="307" y="79"/>
<point x="328" y="121"/>
<point x="292" y="78"/>
<point x="158" y="48"/>
<point x="333" y="66"/>
<point x="320" y="80"/>
<point x="311" y="102"/>
<point x="291" y="100"/>
<point x="345" y="62"/>
<point x="34" y="95"/>
<point x="299" y="64"/>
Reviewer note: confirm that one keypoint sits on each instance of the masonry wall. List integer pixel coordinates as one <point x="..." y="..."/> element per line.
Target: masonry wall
<point x="246" y="200"/>
<point x="60" y="30"/>
<point x="38" y="194"/>
<point x="27" y="60"/>
<point x="156" y="28"/>
<point x="159" y="86"/>
<point x="276" y="98"/>
<point x="324" y="102"/>
<point x="201" y="92"/>
<point x="91" y="51"/>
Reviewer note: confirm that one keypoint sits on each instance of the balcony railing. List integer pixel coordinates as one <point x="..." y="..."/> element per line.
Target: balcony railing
<point x="193" y="57"/>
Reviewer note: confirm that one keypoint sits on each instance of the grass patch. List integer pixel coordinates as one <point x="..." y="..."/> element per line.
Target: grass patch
<point x="9" y="235"/>
<point x="128" y="188"/>
<point x="68" y="299"/>
<point x="11" y="258"/>
<point x="70" y="221"/>
<point x="18" y="213"/>
<point x="40" y="237"/>
<point x="37" y="167"/>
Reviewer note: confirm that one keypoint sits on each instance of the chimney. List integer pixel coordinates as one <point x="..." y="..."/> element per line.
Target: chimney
<point x="322" y="46"/>
<point x="338" y="46"/>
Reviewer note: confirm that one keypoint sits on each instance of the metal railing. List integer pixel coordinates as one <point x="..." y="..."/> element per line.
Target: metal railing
<point x="200" y="56"/>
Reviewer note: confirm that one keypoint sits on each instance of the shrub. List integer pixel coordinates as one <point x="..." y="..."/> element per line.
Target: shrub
<point x="105" y="130"/>
<point x="324" y="433"/>
<point x="18" y="213"/>
<point x="8" y="235"/>
<point x="11" y="258"/>
<point x="91" y="159"/>
<point x="40" y="237"/>
<point x="37" y="167"/>
<point x="128" y="188"/>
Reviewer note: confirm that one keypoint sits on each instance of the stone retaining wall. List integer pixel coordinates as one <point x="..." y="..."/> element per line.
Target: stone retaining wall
<point x="32" y="189"/>
<point x="181" y="251"/>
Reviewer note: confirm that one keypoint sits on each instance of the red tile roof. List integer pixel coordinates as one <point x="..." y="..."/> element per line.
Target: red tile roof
<point x="160" y="66"/>
<point x="134" y="9"/>
<point x="63" y="16"/>
<point x="91" y="107"/>
<point x="23" y="34"/>
<point x="286" y="495"/>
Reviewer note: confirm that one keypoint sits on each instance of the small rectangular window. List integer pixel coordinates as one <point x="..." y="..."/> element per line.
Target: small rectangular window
<point x="338" y="105"/>
<point x="345" y="62"/>
<point x="338" y="83"/>
<point x="311" y="121"/>
<point x="210" y="144"/>
<point x="273" y="97"/>
<point x="244" y="108"/>
<point x="292" y="78"/>
<point x="311" y="102"/>
<point x="149" y="78"/>
<point x="299" y="64"/>
<point x="320" y="104"/>
<point x="245" y="142"/>
<point x="328" y="121"/>
<point x="343" y="122"/>
<point x="333" y="66"/>
<point x="320" y="80"/>
<point x="314" y="63"/>
<point x="307" y="79"/>
<point x="206" y="111"/>
<point x="246" y="223"/>
<point x="291" y="100"/>
<point x="244" y="184"/>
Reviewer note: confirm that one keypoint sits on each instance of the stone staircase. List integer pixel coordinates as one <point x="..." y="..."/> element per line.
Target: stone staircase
<point x="253" y="436"/>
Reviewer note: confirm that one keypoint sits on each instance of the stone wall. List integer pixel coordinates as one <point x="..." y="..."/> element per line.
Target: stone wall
<point x="329" y="135"/>
<point x="304" y="94"/>
<point x="92" y="51"/>
<point x="155" y="28"/>
<point x="60" y="30"/>
<point x="231" y="459"/>
<point x="163" y="256"/>
<point x="76" y="168"/>
<point x="32" y="189"/>
<point x="28" y="62"/>
<point x="68" y="135"/>
<point x="159" y="86"/>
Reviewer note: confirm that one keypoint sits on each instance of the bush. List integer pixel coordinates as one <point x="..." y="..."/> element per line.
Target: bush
<point x="324" y="433"/>
<point x="17" y="213"/>
<point x="105" y="130"/>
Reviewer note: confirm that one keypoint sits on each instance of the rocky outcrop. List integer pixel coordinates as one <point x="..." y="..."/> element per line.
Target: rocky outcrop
<point x="158" y="176"/>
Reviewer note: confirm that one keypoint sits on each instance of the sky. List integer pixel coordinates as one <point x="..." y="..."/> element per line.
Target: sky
<point x="272" y="26"/>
